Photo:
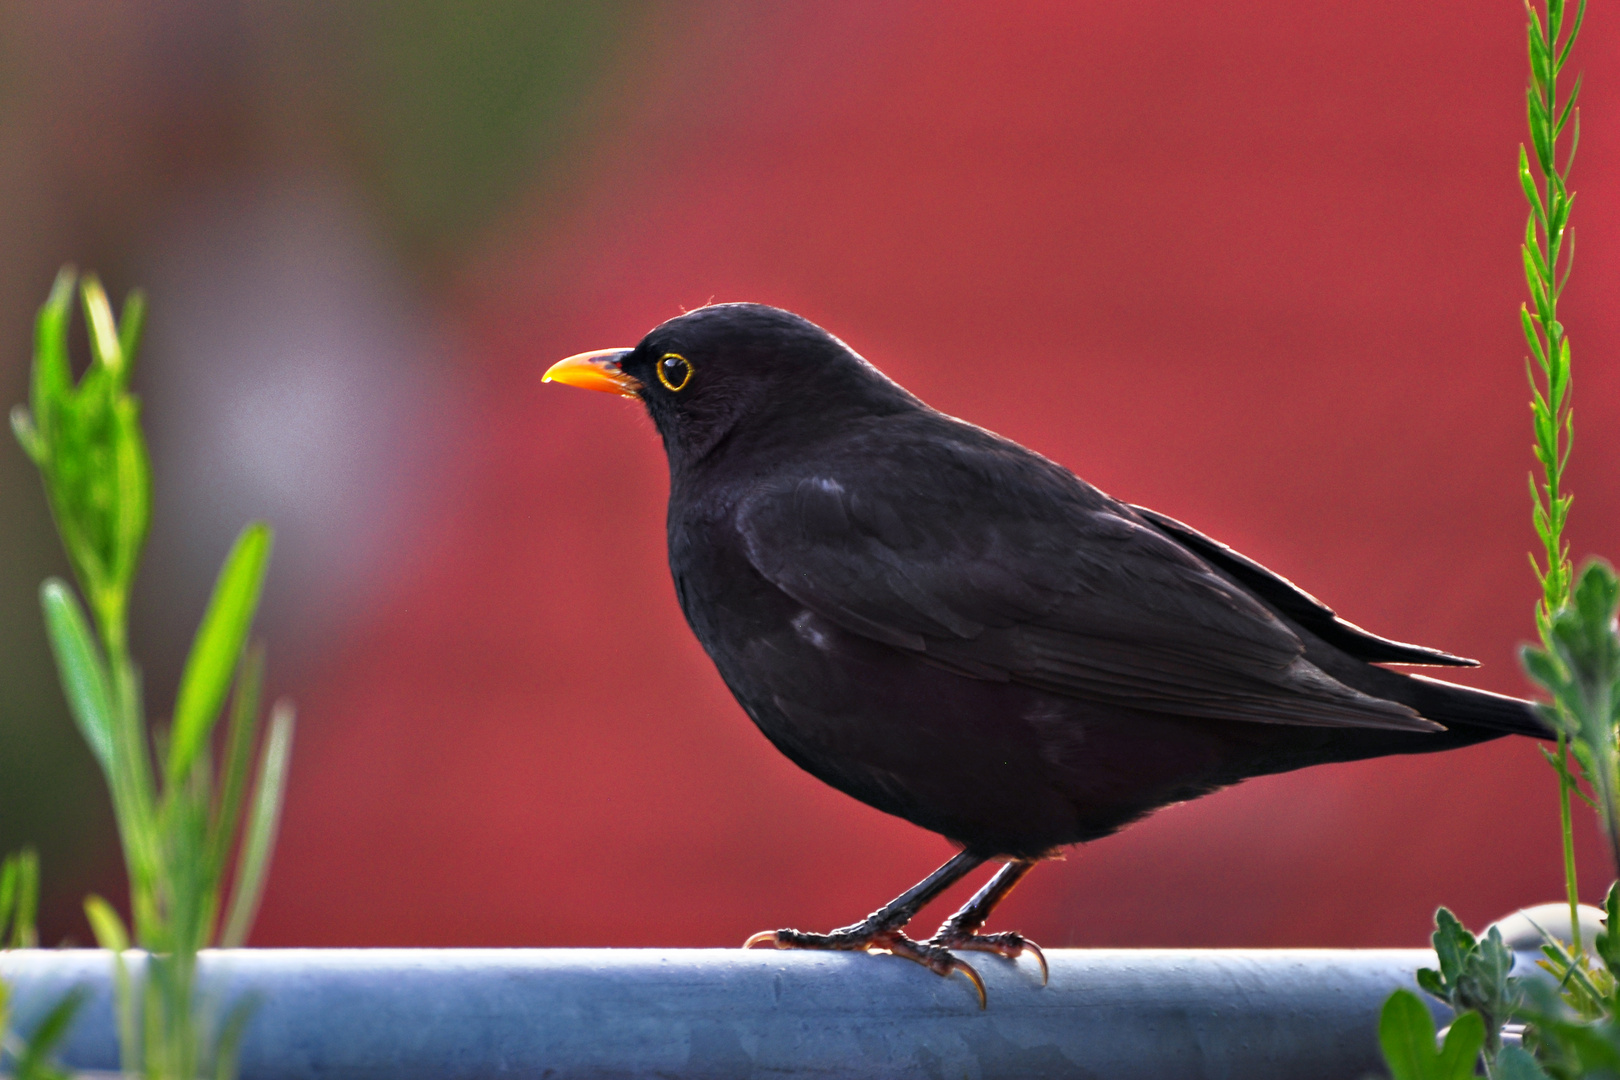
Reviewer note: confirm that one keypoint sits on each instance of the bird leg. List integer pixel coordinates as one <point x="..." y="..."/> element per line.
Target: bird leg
<point x="881" y="931"/>
<point x="961" y="931"/>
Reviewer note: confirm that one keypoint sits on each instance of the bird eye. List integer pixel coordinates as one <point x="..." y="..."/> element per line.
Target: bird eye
<point x="674" y="371"/>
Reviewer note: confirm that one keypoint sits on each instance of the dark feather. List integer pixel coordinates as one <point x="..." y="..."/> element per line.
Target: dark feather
<point x="1290" y="600"/>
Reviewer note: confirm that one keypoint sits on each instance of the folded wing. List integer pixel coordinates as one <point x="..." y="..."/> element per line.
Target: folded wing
<point x="985" y="559"/>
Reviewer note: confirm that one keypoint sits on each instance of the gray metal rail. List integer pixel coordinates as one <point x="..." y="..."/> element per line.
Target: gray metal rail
<point x="418" y="1013"/>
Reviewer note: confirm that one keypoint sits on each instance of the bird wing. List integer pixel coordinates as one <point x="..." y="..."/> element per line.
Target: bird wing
<point x="1297" y="604"/>
<point x="986" y="559"/>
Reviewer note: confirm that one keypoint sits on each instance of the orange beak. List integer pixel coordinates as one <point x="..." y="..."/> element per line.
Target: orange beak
<point x="597" y="370"/>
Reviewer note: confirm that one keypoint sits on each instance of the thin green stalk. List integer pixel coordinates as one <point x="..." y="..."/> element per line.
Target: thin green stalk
<point x="1567" y="831"/>
<point x="1546" y="265"/>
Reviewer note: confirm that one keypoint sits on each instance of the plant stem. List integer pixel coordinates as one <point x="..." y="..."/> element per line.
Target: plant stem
<point x="1566" y="828"/>
<point x="1549" y="198"/>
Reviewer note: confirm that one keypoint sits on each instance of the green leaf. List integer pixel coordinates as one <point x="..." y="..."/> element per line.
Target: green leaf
<point x="1569" y="259"/>
<point x="241" y="737"/>
<point x="1561" y="216"/>
<point x="1569" y="42"/>
<point x="8" y="896"/>
<point x="32" y="1062"/>
<point x="1535" y="269"/>
<point x="1453" y="944"/>
<point x="1429" y="982"/>
<point x="260" y="836"/>
<point x="228" y="1047"/>
<point x="1540" y="133"/>
<point x="22" y="875"/>
<point x="22" y="426"/>
<point x="1461" y="1050"/>
<point x="217" y="646"/>
<point x="1559" y="378"/>
<point x="1533" y="339"/>
<point x="105" y="924"/>
<point x="53" y="378"/>
<point x="1574" y="142"/>
<point x="1540" y="296"/>
<point x="131" y="324"/>
<point x="1537" y="46"/>
<point x="1516" y="1063"/>
<point x="111" y="935"/>
<point x="1406" y="1035"/>
<point x="106" y="350"/>
<point x="84" y="677"/>
<point x="1578" y="749"/>
<point x="1569" y="107"/>
<point x="1594" y="1047"/>
<point x="1528" y="182"/>
<point x="1543" y="668"/>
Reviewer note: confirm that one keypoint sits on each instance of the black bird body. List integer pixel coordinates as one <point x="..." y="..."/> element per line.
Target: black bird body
<point x="956" y="630"/>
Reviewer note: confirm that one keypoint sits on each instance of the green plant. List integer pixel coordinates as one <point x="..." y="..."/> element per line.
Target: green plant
<point x="19" y="900"/>
<point x="1579" y="665"/>
<point x="1544" y="250"/>
<point x="1473" y="976"/>
<point x="1571" y="1029"/>
<point x="196" y="832"/>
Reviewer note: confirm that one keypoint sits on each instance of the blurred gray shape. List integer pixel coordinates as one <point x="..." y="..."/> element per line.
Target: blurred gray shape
<point x="288" y="375"/>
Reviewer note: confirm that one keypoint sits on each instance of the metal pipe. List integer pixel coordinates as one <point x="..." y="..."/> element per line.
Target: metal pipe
<point x="419" y="1013"/>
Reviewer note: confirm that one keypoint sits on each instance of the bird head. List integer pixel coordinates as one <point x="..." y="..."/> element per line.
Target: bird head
<point x="735" y="370"/>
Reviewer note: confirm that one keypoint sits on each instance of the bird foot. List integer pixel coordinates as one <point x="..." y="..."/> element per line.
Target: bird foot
<point x="867" y="936"/>
<point x="1009" y="944"/>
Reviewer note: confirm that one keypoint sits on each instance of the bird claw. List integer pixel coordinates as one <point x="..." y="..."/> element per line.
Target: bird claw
<point x="865" y="938"/>
<point x="1009" y="944"/>
<point x="1040" y="958"/>
<point x="938" y="960"/>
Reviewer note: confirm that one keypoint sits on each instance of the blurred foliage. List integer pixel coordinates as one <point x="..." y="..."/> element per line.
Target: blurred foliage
<point x="179" y="816"/>
<point x="51" y="793"/>
<point x="28" y="1059"/>
<point x="440" y="117"/>
<point x="459" y="104"/>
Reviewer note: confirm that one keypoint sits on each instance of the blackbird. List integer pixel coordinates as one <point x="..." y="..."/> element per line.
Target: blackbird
<point x="955" y="630"/>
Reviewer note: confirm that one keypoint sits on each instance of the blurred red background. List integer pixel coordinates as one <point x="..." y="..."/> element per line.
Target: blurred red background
<point x="1252" y="265"/>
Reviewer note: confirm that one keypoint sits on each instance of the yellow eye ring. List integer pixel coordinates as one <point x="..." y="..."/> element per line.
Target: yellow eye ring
<point x="674" y="364"/>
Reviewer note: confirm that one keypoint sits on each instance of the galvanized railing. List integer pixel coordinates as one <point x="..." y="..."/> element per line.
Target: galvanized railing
<point x="419" y="1013"/>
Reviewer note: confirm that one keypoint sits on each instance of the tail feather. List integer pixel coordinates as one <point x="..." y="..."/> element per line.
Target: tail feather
<point x="1352" y="655"/>
<point x="1459" y="708"/>
<point x="1462" y="709"/>
<point x="1452" y="705"/>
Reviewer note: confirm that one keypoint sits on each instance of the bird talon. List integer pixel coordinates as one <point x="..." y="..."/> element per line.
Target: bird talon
<point x="931" y="956"/>
<point x="973" y="976"/>
<point x="772" y="936"/>
<point x="1046" y="972"/>
<point x="1009" y="945"/>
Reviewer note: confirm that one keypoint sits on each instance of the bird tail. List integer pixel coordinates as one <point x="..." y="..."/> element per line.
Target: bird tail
<point x="1464" y="706"/>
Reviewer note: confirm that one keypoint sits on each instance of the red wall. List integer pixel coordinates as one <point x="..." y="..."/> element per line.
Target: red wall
<point x="1253" y="265"/>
